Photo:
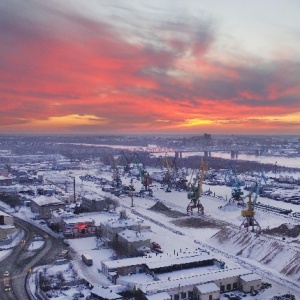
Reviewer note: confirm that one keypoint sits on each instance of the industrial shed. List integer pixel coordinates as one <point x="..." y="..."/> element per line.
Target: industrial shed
<point x="44" y="205"/>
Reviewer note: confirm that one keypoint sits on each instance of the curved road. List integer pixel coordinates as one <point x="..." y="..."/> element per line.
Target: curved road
<point x="21" y="261"/>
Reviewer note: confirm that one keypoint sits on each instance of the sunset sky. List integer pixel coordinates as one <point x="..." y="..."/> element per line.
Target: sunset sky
<point x="137" y="66"/>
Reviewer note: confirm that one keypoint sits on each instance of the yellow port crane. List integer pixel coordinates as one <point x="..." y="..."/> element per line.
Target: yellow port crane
<point x="248" y="214"/>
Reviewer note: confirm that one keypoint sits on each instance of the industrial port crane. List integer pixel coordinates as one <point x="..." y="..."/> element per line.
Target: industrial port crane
<point x="168" y="178"/>
<point x="249" y="213"/>
<point x="232" y="180"/>
<point x="196" y="191"/>
<point x="143" y="175"/>
<point x="116" y="179"/>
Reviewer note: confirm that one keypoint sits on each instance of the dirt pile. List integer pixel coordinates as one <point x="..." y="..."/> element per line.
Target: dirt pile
<point x="194" y="222"/>
<point x="284" y="230"/>
<point x="161" y="208"/>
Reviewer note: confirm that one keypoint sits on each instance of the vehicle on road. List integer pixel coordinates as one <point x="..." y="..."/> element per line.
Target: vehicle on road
<point x="87" y="259"/>
<point x="6" y="274"/>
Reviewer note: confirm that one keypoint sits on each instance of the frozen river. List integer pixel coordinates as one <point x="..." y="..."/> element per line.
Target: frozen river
<point x="291" y="162"/>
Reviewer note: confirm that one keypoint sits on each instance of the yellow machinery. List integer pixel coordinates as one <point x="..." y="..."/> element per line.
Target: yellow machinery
<point x="248" y="214"/>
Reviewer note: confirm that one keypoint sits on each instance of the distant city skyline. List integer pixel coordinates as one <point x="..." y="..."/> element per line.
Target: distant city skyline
<point x="150" y="67"/>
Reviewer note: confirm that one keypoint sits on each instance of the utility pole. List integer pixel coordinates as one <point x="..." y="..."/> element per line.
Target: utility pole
<point x="74" y="189"/>
<point x="131" y="193"/>
<point x="131" y="199"/>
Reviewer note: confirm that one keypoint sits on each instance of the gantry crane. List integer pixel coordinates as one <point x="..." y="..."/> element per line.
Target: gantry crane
<point x="233" y="181"/>
<point x="143" y="175"/>
<point x="196" y="191"/>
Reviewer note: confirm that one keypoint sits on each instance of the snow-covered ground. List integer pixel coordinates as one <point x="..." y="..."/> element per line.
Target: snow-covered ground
<point x="172" y="237"/>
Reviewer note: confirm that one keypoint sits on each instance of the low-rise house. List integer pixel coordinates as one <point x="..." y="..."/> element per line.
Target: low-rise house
<point x="58" y="216"/>
<point x="130" y="242"/>
<point x="44" y="205"/>
<point x="111" y="228"/>
<point x="93" y="203"/>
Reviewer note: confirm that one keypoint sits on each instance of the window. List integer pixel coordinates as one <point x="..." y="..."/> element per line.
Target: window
<point x="176" y="297"/>
<point x="190" y="295"/>
<point x="234" y="286"/>
<point x="183" y="295"/>
<point x="210" y="297"/>
<point x="228" y="287"/>
<point x="222" y="288"/>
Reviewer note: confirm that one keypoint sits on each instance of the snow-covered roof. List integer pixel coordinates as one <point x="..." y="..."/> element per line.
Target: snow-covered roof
<point x="98" y="217"/>
<point x="105" y="293"/>
<point x="116" y="223"/>
<point x="133" y="236"/>
<point x="160" y="260"/>
<point x="175" y="261"/>
<point x="46" y="200"/>
<point x="250" y="277"/>
<point x="209" y="287"/>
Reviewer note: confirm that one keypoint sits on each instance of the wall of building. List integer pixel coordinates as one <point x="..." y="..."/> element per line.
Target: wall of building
<point x="44" y="211"/>
<point x="5" y="181"/>
<point x="228" y="284"/>
<point x="131" y="248"/>
<point x="93" y="204"/>
<point x="6" y="220"/>
<point x="206" y="296"/>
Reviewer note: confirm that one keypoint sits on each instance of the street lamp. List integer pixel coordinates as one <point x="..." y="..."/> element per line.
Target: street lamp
<point x="131" y="193"/>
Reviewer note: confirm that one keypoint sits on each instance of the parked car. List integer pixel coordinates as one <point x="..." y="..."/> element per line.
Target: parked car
<point x="6" y="273"/>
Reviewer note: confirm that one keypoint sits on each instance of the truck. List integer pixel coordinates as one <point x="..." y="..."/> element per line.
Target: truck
<point x="87" y="259"/>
